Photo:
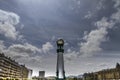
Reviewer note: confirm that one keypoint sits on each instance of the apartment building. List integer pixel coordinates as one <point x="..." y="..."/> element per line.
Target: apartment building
<point x="10" y="69"/>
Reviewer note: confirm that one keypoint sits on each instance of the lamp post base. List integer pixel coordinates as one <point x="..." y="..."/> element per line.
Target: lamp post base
<point x="60" y="79"/>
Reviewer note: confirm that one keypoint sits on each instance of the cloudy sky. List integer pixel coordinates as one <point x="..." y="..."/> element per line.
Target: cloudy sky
<point x="91" y="30"/>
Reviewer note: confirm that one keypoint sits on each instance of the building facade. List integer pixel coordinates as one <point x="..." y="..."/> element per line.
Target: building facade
<point x="10" y="69"/>
<point x="30" y="74"/>
<point x="106" y="74"/>
<point x="41" y="74"/>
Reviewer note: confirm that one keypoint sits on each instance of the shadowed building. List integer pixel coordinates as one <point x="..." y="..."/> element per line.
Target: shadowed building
<point x="40" y="77"/>
<point x="106" y="74"/>
<point x="10" y="69"/>
<point x="41" y="74"/>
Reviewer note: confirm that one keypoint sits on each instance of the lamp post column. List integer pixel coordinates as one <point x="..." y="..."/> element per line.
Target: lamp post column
<point x="60" y="72"/>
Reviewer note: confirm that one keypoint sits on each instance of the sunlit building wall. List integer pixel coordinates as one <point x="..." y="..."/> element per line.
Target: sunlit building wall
<point x="30" y="74"/>
<point x="11" y="69"/>
<point x="106" y="74"/>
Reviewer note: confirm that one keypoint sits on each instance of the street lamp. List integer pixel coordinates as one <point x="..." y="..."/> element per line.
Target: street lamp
<point x="60" y="44"/>
<point x="60" y="73"/>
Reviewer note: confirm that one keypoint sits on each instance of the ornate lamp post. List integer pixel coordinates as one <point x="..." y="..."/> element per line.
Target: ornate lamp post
<point x="60" y="73"/>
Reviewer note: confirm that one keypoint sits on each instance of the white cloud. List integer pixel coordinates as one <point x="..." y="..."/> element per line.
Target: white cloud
<point x="75" y="5"/>
<point x="103" y="65"/>
<point x="100" y="5"/>
<point x="116" y="16"/>
<point x="117" y="3"/>
<point x="88" y="15"/>
<point x="53" y="38"/>
<point x="2" y="46"/>
<point x="89" y="64"/>
<point x="104" y="23"/>
<point x="9" y="17"/>
<point x="8" y="21"/>
<point x="78" y="3"/>
<point x="33" y="62"/>
<point x="92" y="13"/>
<point x="23" y="53"/>
<point x="94" y="39"/>
<point x="22" y="50"/>
<point x="93" y="42"/>
<point x="8" y="31"/>
<point x="27" y="53"/>
<point x="47" y="47"/>
<point x="70" y="55"/>
<point x="28" y="50"/>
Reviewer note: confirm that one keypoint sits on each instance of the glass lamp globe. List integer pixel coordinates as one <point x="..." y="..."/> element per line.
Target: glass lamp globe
<point x="60" y="42"/>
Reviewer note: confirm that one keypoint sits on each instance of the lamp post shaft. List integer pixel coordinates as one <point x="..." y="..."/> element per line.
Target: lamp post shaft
<point x="60" y="72"/>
